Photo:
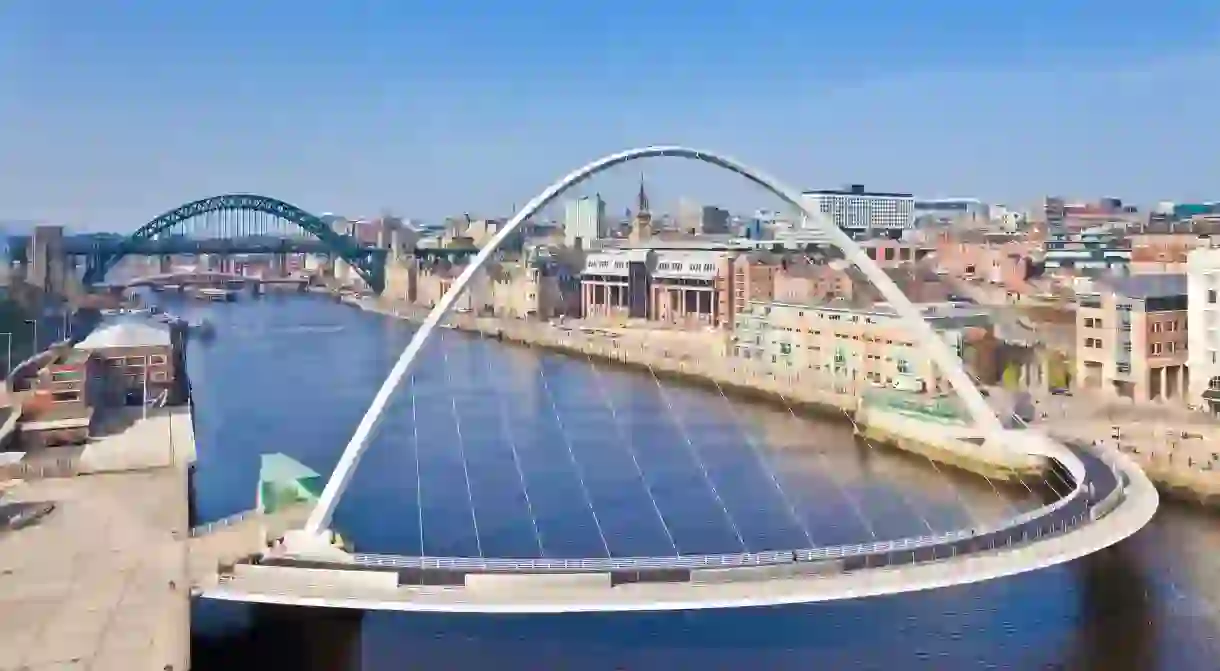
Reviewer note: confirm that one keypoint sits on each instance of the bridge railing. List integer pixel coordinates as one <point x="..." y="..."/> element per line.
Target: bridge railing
<point x="1057" y="513"/>
<point x="224" y="522"/>
<point x="1057" y="516"/>
<point x="37" y="470"/>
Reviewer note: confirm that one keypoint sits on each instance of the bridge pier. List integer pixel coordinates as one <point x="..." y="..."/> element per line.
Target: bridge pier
<point x="308" y="639"/>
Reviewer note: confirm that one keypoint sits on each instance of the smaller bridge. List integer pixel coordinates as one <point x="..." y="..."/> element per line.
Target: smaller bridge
<point x="195" y="278"/>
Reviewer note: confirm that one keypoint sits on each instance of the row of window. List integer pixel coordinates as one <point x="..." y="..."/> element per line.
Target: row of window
<point x="1154" y="348"/>
<point x="152" y="360"/>
<point x="1167" y="326"/>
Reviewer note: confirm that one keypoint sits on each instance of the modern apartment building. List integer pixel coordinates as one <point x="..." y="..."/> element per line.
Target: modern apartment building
<point x="862" y="346"/>
<point x="584" y="221"/>
<point x="1131" y="337"/>
<point x="864" y="212"/>
<point x="1203" y="329"/>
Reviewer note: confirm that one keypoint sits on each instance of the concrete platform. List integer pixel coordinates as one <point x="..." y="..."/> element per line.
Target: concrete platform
<point x="89" y="585"/>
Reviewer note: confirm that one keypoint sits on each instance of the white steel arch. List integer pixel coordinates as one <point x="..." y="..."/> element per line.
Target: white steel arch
<point x="933" y="346"/>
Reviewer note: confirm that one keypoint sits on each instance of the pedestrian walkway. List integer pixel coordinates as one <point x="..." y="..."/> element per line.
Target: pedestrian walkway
<point x="99" y="583"/>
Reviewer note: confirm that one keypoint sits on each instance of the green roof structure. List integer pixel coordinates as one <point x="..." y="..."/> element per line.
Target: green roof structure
<point x="284" y="481"/>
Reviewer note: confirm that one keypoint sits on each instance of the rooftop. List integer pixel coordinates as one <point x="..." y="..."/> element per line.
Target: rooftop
<point x="279" y="467"/>
<point x="1148" y="286"/>
<point x="126" y="334"/>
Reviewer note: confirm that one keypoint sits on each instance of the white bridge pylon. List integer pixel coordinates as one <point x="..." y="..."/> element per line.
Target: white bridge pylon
<point x="932" y="345"/>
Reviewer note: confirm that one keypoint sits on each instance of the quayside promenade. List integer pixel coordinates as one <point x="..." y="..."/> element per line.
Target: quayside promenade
<point x="99" y="582"/>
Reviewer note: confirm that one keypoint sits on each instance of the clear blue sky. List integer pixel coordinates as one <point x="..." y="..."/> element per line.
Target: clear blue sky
<point x="111" y="112"/>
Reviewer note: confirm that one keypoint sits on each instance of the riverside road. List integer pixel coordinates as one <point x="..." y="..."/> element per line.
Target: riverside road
<point x="502" y="451"/>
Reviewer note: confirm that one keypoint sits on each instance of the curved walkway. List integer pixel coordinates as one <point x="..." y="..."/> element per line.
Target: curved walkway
<point x="1117" y="501"/>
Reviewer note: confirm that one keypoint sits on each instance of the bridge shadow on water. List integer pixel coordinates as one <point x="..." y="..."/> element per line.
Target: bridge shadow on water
<point x="1095" y="615"/>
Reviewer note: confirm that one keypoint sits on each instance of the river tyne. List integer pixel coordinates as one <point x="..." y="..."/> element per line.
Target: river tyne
<point x="509" y="451"/>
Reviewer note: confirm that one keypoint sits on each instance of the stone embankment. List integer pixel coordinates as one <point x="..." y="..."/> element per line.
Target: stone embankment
<point x="700" y="359"/>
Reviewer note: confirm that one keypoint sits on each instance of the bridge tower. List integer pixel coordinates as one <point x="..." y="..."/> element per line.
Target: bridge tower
<point x="47" y="262"/>
<point x="279" y="265"/>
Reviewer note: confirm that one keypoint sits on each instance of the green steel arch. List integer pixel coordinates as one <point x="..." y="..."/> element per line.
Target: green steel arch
<point x="362" y="259"/>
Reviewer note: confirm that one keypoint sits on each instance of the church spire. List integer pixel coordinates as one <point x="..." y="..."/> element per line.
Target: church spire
<point x="641" y="228"/>
<point x="641" y="200"/>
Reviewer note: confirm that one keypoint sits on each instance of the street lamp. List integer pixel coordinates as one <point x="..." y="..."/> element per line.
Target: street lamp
<point x="8" y="354"/>
<point x="34" y="323"/>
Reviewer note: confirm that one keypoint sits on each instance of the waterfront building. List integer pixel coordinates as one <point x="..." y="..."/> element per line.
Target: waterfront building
<point x="753" y="279"/>
<point x="1203" y="329"/>
<point x="615" y="285"/>
<point x="861" y="212"/>
<point x="116" y="365"/>
<point x="535" y="290"/>
<point x="584" y="221"/>
<point x="679" y="287"/>
<point x="1131" y="337"/>
<point x="691" y="289"/>
<point x="867" y="346"/>
<point x="137" y="356"/>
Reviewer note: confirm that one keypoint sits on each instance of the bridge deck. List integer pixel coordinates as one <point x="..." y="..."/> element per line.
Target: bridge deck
<point x="379" y="590"/>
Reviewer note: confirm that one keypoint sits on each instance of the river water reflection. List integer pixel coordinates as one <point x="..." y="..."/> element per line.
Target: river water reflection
<point x="509" y="452"/>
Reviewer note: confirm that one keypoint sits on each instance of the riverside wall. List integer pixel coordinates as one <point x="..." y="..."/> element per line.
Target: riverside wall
<point x="950" y="444"/>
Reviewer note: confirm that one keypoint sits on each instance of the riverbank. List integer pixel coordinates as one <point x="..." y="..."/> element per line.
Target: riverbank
<point x="700" y="365"/>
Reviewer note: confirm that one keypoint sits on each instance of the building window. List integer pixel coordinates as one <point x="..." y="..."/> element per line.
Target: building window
<point x="1092" y="323"/>
<point x="1094" y="343"/>
<point x="160" y="376"/>
<point x="1123" y="368"/>
<point x="1211" y="296"/>
<point x="136" y="361"/>
<point x="1156" y="348"/>
<point x="1214" y="383"/>
<point x="156" y="359"/>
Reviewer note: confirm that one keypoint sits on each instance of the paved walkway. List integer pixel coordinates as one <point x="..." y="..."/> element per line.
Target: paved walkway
<point x="1175" y="446"/>
<point x="100" y="582"/>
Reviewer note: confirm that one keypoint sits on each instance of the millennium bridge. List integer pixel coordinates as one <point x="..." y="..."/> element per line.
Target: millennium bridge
<point x="1108" y="499"/>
